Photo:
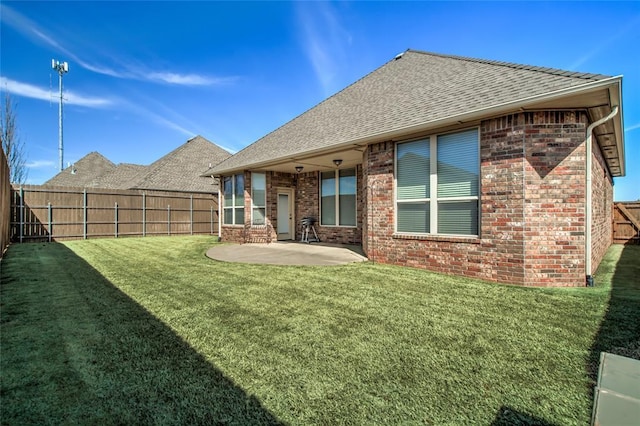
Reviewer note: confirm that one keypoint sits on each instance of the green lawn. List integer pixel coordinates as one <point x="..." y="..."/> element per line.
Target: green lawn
<point x="150" y="331"/>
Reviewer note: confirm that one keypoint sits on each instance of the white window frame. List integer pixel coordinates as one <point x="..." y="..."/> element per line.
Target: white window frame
<point x="433" y="187"/>
<point x="255" y="206"/>
<point x="233" y="207"/>
<point x="337" y="198"/>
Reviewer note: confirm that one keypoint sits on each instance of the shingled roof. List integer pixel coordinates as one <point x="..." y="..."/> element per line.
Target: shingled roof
<point x="124" y="176"/>
<point x="414" y="89"/>
<point x="181" y="169"/>
<point x="84" y="172"/>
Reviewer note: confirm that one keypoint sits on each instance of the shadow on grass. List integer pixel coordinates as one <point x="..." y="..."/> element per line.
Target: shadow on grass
<point x="619" y="332"/>
<point x="75" y="349"/>
<point x="507" y="416"/>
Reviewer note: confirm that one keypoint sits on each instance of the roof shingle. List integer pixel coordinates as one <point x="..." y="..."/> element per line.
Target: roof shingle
<point x="84" y="172"/>
<point x="180" y="170"/>
<point x="412" y="89"/>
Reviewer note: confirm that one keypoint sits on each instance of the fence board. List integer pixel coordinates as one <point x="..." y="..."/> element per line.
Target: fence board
<point x="5" y="203"/>
<point x="55" y="214"/>
<point x="626" y="216"/>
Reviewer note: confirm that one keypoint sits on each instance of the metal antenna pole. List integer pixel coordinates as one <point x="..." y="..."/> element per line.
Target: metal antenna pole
<point x="60" y="137"/>
<point x="61" y="68"/>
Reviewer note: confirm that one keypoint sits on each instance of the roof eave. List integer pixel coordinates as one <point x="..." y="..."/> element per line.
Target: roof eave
<point x="447" y="121"/>
<point x="616" y="99"/>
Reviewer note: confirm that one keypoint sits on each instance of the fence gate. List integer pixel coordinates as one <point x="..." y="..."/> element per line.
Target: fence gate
<point x="626" y="223"/>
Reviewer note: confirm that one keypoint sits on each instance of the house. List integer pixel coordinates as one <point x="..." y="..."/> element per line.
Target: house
<point x="465" y="166"/>
<point x="178" y="171"/>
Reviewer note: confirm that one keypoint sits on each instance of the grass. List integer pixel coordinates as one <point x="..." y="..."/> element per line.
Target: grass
<point x="149" y="331"/>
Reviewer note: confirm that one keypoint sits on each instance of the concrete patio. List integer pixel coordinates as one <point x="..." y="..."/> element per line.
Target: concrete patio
<point x="288" y="253"/>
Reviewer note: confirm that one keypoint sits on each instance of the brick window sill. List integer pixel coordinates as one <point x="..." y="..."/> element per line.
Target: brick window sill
<point x="439" y="238"/>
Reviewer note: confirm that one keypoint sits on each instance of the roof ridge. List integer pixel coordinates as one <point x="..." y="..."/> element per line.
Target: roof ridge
<point x="513" y="65"/>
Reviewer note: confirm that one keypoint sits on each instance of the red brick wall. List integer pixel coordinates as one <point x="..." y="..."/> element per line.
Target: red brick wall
<point x="502" y="198"/>
<point x="602" y="208"/>
<point x="555" y="197"/>
<point x="532" y="206"/>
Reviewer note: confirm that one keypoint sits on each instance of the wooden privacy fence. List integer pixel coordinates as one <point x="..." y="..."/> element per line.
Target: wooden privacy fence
<point x="626" y="223"/>
<point x="46" y="214"/>
<point x="5" y="203"/>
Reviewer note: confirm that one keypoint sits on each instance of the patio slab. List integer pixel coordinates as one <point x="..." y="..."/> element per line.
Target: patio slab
<point x="288" y="253"/>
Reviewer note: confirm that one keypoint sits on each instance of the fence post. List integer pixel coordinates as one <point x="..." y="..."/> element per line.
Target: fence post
<point x="116" y="219"/>
<point x="49" y="216"/>
<point x="84" y="214"/>
<point x="168" y="220"/>
<point x="191" y="214"/>
<point x="21" y="226"/>
<point x="144" y="214"/>
<point x="211" y="220"/>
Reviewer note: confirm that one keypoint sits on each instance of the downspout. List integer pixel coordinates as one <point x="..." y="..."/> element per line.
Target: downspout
<point x="588" y="213"/>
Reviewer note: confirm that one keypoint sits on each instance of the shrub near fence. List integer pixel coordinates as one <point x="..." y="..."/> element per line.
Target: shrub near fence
<point x="5" y="203"/>
<point x="53" y="214"/>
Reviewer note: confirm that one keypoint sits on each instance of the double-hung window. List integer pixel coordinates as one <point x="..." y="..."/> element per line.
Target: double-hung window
<point x="233" y="193"/>
<point x="338" y="198"/>
<point x="438" y="185"/>
<point x="258" y="198"/>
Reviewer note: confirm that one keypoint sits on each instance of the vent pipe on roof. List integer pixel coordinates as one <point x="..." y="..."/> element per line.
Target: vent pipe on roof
<point x="587" y="204"/>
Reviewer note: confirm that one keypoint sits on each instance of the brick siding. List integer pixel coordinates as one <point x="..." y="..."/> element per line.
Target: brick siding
<point x="532" y="206"/>
<point x="602" y="204"/>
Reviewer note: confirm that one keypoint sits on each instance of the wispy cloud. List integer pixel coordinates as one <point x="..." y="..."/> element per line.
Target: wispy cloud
<point x="160" y="119"/>
<point x="188" y="79"/>
<point x="35" y="92"/>
<point x="119" y="69"/>
<point x="632" y="127"/>
<point x="606" y="43"/>
<point x="40" y="164"/>
<point x="324" y="40"/>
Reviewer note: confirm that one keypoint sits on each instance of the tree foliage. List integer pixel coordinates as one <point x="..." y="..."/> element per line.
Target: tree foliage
<point x="12" y="145"/>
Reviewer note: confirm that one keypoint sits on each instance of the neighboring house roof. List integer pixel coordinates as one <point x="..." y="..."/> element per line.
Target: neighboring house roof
<point x="416" y="91"/>
<point x="181" y="169"/>
<point x="124" y="176"/>
<point x="84" y="172"/>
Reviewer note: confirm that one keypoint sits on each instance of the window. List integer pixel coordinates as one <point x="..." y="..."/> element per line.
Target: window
<point x="437" y="184"/>
<point x="258" y="198"/>
<point x="338" y="198"/>
<point x="233" y="193"/>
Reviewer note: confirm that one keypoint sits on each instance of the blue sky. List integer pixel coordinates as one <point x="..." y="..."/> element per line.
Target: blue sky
<point x="145" y="77"/>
